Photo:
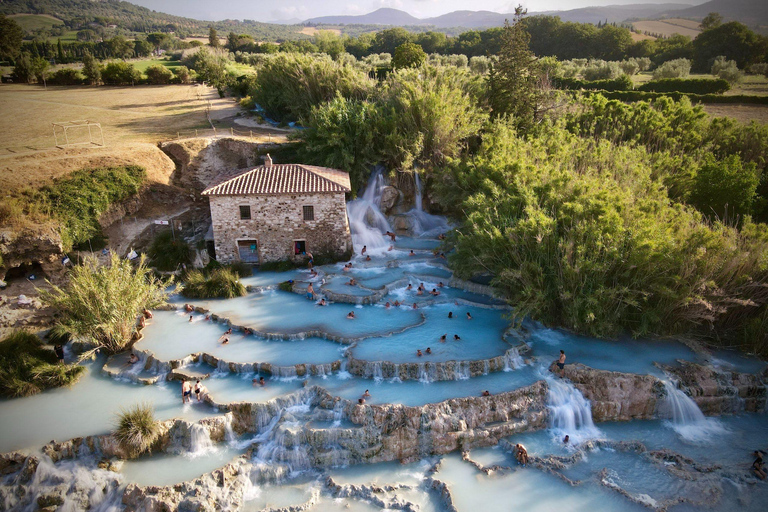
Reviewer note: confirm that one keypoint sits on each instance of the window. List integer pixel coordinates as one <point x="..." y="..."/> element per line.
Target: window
<point x="245" y="212"/>
<point x="299" y="246"/>
<point x="309" y="213"/>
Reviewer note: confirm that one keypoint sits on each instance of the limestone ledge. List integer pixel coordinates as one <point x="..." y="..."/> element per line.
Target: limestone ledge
<point x="718" y="391"/>
<point x="617" y="396"/>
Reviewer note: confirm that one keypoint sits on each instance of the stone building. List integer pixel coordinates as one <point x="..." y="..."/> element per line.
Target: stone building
<point x="280" y="212"/>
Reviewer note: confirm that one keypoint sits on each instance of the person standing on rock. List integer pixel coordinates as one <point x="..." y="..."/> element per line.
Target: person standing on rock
<point x="311" y="292"/>
<point x="186" y="392"/>
<point x="561" y="363"/>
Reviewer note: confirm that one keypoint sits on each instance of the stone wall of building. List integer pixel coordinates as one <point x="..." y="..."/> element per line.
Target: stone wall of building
<point x="277" y="221"/>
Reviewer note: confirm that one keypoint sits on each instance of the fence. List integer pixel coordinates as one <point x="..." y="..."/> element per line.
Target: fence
<point x="227" y="132"/>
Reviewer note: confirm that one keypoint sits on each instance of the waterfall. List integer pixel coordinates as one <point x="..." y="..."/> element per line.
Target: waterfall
<point x="425" y="375"/>
<point x="424" y="224"/>
<point x="376" y="371"/>
<point x="199" y="441"/>
<point x="366" y="222"/>
<point x="396" y="375"/>
<point x="486" y="366"/>
<point x="338" y="413"/>
<point x="512" y="360"/>
<point x="685" y="416"/>
<point x="569" y="412"/>
<point x="461" y="370"/>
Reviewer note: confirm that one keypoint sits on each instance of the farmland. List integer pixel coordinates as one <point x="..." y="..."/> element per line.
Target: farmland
<point x="669" y="27"/>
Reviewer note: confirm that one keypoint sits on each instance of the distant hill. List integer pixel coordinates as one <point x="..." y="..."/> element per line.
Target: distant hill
<point x="749" y="12"/>
<point x="485" y="19"/>
<point x="135" y="18"/>
<point x="383" y="16"/>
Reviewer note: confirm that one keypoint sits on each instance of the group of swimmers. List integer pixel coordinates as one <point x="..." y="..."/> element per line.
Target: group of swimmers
<point x="421" y="289"/>
<point x="260" y="382"/>
<point x="187" y="388"/>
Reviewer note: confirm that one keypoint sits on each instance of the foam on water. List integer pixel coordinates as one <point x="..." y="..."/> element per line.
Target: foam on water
<point x="570" y="413"/>
<point x="685" y="416"/>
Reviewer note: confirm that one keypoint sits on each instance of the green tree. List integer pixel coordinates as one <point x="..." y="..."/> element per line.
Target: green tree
<point x="386" y="41"/>
<point x="60" y="51"/>
<point x="22" y="71"/>
<point x="711" y="20"/>
<point x="91" y="69"/>
<point x="142" y="48"/>
<point x="119" y="47"/>
<point x="328" y="42"/>
<point x="40" y="67"/>
<point x="213" y="38"/>
<point x="408" y="55"/>
<point x="157" y="39"/>
<point x="120" y="73"/>
<point x="11" y="35"/>
<point x="514" y="82"/>
<point x="733" y="40"/>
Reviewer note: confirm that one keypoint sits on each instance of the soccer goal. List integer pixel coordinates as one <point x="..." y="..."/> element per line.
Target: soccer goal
<point x="72" y="133"/>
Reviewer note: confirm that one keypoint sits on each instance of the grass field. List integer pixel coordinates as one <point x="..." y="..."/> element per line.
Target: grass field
<point x="142" y="65"/>
<point x="134" y="120"/>
<point x="669" y="27"/>
<point x="30" y="22"/>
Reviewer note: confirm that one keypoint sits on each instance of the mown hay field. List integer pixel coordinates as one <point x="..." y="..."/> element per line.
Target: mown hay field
<point x="669" y="27"/>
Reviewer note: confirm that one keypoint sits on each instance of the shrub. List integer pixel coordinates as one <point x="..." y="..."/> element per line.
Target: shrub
<point x="678" y="68"/>
<point x="727" y="70"/>
<point x="182" y="73"/>
<point x="286" y="286"/>
<point x="66" y="76"/>
<point x="222" y="283"/>
<point x="137" y="429"/>
<point x="629" y="67"/>
<point x="241" y="269"/>
<point x="159" y="75"/>
<point x="167" y="253"/>
<point x="27" y="368"/>
<point x="623" y="83"/>
<point x="408" y="55"/>
<point x="601" y="70"/>
<point x="101" y="303"/>
<point x="689" y="85"/>
<point x="120" y="73"/>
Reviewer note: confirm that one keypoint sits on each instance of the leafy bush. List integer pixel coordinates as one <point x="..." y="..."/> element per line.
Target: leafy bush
<point x="285" y="286"/>
<point x="27" y="368"/>
<point x="623" y="83"/>
<point x="101" y="302"/>
<point x="601" y="70"/>
<point x="168" y="253"/>
<point x="66" y="76"/>
<point x="159" y="75"/>
<point x="690" y="85"/>
<point x="761" y="68"/>
<point x="137" y="429"/>
<point x="409" y="55"/>
<point x="634" y="96"/>
<point x="222" y="283"/>
<point x="120" y="73"/>
<point x="678" y="68"/>
<point x="727" y="70"/>
<point x="182" y="74"/>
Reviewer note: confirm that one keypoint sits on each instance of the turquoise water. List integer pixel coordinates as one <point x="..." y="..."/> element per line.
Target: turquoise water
<point x="87" y="408"/>
<point x="170" y="335"/>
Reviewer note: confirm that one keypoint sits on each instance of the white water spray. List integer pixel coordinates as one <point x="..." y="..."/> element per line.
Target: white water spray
<point x="366" y="222"/>
<point x="685" y="416"/>
<point x="569" y="412"/>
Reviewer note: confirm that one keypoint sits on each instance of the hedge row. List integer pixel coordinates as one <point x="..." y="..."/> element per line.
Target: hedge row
<point x="622" y="83"/>
<point x="686" y="85"/>
<point x="695" y="98"/>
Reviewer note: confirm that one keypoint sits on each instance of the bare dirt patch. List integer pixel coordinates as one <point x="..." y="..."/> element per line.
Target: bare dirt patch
<point x="669" y="27"/>
<point x="311" y="31"/>
<point x="740" y="112"/>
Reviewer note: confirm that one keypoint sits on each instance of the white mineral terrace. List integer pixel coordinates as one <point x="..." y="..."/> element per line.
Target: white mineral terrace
<point x="425" y="439"/>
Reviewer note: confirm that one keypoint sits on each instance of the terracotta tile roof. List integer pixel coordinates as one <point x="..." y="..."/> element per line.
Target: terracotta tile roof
<point x="282" y="179"/>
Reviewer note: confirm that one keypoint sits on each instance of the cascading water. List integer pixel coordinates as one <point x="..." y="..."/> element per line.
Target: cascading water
<point x="366" y="222"/>
<point x="199" y="441"/>
<point x="424" y="224"/>
<point x="512" y="360"/>
<point x="685" y="416"/>
<point x="569" y="412"/>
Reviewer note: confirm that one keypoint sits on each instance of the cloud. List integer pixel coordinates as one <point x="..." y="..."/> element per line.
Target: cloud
<point x="394" y="4"/>
<point x="288" y="12"/>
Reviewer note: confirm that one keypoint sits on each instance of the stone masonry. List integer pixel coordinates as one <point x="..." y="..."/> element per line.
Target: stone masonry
<point x="277" y="221"/>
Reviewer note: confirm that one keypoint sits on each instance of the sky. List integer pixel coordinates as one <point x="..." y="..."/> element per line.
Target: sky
<point x="279" y="10"/>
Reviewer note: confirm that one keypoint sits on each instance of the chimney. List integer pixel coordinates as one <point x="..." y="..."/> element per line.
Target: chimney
<point x="267" y="161"/>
